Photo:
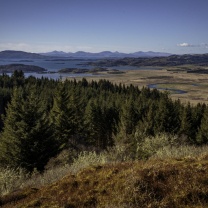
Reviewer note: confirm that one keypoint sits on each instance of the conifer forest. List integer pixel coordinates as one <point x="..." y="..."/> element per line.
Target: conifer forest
<point x="41" y="117"/>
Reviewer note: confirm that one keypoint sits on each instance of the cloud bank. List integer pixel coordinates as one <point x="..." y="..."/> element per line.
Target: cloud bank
<point x="187" y="45"/>
<point x="191" y="45"/>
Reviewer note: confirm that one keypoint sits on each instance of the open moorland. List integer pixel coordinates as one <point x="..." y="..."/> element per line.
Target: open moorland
<point x="178" y="77"/>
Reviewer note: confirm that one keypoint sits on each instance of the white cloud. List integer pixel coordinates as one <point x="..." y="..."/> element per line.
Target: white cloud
<point x="207" y="47"/>
<point x="191" y="45"/>
<point x="183" y="44"/>
<point x="187" y="45"/>
<point x="163" y="48"/>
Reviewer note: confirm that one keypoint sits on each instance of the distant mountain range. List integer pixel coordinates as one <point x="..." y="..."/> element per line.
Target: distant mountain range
<point x="105" y="54"/>
<point x="10" y="54"/>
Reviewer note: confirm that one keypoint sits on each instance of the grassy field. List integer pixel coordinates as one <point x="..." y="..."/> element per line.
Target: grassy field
<point x="175" y="80"/>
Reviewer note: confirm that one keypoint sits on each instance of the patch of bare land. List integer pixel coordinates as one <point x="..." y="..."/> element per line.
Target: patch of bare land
<point x="173" y="77"/>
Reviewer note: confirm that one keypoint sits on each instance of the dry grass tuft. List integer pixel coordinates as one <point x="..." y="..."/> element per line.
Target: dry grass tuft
<point x="173" y="175"/>
<point x="203" y="156"/>
<point x="155" y="183"/>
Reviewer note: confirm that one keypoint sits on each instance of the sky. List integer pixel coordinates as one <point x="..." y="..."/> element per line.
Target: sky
<point x="38" y="26"/>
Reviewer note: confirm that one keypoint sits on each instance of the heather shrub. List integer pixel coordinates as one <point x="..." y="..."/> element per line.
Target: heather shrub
<point x="182" y="151"/>
<point x="118" y="153"/>
<point x="147" y="146"/>
<point x="86" y="159"/>
<point x="165" y="145"/>
<point x="11" y="179"/>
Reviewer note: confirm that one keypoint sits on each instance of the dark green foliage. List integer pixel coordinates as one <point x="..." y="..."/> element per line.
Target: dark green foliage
<point x="198" y="113"/>
<point x="186" y="127"/>
<point x="202" y="135"/>
<point x="60" y="117"/>
<point x="165" y="118"/>
<point x="18" y="74"/>
<point x="146" y="124"/>
<point x="27" y="137"/>
<point x="76" y="106"/>
<point x="128" y="116"/>
<point x="94" y="124"/>
<point x="82" y="113"/>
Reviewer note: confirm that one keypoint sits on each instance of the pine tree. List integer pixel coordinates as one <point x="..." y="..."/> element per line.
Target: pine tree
<point x="202" y="135"/>
<point x="198" y="112"/>
<point x="60" y="117"/>
<point x="186" y="127"/>
<point x="77" y="111"/>
<point x="95" y="128"/>
<point x="146" y="124"/>
<point x="27" y="138"/>
<point x="128" y="116"/>
<point x="165" y="118"/>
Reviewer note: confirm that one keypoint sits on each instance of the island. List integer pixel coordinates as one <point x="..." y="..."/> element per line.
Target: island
<point x="64" y="59"/>
<point x="173" y="60"/>
<point x="10" y="54"/>
<point x="115" y="71"/>
<point x="75" y="70"/>
<point x="10" y="68"/>
<point x="23" y="61"/>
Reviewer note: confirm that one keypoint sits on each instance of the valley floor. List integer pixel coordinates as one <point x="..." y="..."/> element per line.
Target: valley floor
<point x="142" y="78"/>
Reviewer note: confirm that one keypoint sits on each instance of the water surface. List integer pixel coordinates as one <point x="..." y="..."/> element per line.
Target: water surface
<point x="55" y="66"/>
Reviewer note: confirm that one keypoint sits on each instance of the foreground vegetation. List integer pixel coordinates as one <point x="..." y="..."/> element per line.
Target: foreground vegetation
<point x="112" y="179"/>
<point x="106" y="141"/>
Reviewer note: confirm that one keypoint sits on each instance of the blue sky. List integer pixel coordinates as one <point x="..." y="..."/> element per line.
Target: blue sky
<point x="173" y="26"/>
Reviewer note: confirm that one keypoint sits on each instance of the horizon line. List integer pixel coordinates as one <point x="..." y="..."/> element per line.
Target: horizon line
<point x="104" y="51"/>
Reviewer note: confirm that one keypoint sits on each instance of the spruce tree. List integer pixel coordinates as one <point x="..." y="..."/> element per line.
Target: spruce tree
<point x="198" y="112"/>
<point x="77" y="111"/>
<point x="146" y="124"/>
<point x="27" y="138"/>
<point x="186" y="127"/>
<point x="95" y="128"/>
<point x="60" y="117"/>
<point x="202" y="135"/>
<point x="128" y="116"/>
<point x="165" y="118"/>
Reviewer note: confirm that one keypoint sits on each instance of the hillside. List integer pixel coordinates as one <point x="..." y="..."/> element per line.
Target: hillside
<point x="176" y="182"/>
<point x="174" y="60"/>
<point x="20" y="55"/>
<point x="99" y="144"/>
<point x="10" y="68"/>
